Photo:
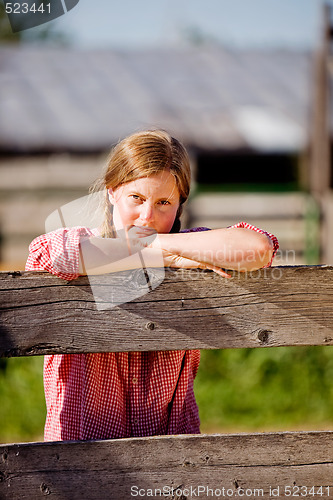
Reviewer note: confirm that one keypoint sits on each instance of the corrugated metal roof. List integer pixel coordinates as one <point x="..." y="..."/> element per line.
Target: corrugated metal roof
<point x="211" y="97"/>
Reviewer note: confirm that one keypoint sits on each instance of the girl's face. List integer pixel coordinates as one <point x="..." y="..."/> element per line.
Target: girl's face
<point x="151" y="202"/>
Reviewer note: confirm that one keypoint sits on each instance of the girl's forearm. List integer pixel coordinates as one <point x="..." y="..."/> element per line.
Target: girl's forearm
<point x="97" y="254"/>
<point x="229" y="248"/>
<point x="107" y="255"/>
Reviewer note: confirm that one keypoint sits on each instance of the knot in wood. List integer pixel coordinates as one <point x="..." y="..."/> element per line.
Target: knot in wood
<point x="138" y="279"/>
<point x="13" y="274"/>
<point x="188" y="463"/>
<point x="45" y="489"/>
<point x="150" y="325"/>
<point x="263" y="335"/>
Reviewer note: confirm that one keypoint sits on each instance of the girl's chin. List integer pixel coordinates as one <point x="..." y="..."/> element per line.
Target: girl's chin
<point x="136" y="230"/>
<point x="145" y="229"/>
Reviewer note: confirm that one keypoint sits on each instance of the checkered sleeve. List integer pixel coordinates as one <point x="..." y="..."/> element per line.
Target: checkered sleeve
<point x="57" y="252"/>
<point x="273" y="238"/>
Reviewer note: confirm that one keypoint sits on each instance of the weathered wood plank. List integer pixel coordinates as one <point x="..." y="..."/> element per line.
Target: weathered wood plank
<point x="43" y="314"/>
<point x="119" y="469"/>
<point x="278" y="306"/>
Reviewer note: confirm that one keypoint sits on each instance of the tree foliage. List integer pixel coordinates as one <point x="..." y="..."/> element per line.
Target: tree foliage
<point x="6" y="34"/>
<point x="47" y="32"/>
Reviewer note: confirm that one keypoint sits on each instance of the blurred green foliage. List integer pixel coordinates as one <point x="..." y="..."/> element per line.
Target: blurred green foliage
<point x="6" y="34"/>
<point x="237" y="390"/>
<point x="22" y="412"/>
<point x="265" y="389"/>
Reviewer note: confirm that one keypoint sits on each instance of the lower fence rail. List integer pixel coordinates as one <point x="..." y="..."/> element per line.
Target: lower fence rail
<point x="260" y="465"/>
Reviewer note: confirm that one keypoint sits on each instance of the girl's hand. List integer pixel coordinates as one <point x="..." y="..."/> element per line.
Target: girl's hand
<point x="140" y="232"/>
<point x="137" y="237"/>
<point x="173" y="260"/>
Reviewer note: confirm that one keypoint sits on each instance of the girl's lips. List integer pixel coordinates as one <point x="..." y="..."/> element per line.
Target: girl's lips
<point x="143" y="229"/>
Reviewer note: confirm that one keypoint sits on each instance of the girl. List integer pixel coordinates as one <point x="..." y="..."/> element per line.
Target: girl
<point x="114" y="395"/>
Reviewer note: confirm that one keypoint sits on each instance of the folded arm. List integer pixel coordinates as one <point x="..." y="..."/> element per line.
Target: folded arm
<point x="69" y="252"/>
<point x="238" y="249"/>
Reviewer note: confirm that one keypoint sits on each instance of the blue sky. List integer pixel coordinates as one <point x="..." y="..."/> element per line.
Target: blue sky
<point x="133" y="23"/>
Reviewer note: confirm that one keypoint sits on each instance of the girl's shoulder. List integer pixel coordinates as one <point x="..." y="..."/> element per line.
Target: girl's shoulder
<point x="65" y="233"/>
<point x="62" y="237"/>
<point x="58" y="251"/>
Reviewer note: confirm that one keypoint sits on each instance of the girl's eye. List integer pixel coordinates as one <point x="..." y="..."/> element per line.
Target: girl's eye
<point x="165" y="202"/>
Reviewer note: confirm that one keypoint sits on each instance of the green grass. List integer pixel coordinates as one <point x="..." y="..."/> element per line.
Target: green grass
<point x="22" y="413"/>
<point x="265" y="389"/>
<point x="237" y="390"/>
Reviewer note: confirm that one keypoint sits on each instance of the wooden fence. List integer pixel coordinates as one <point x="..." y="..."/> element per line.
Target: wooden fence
<point x="280" y="306"/>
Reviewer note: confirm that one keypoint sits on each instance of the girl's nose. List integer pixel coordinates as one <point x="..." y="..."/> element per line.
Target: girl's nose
<point x="147" y="212"/>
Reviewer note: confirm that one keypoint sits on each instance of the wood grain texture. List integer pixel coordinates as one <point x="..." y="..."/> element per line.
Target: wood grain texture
<point x="189" y="309"/>
<point x="42" y="314"/>
<point x="109" y="469"/>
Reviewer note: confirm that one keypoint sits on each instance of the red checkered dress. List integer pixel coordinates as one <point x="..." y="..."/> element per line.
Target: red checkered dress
<point x="113" y="395"/>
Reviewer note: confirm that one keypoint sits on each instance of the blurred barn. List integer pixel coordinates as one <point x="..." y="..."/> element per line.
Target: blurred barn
<point x="246" y="117"/>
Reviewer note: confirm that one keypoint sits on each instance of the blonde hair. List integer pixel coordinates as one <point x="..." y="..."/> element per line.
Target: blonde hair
<point x="140" y="155"/>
